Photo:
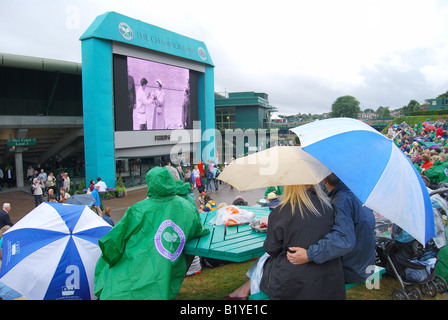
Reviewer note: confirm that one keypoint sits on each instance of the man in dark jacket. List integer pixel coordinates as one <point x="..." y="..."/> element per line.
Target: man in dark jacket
<point x="5" y="220"/>
<point x="352" y="236"/>
<point x="59" y="183"/>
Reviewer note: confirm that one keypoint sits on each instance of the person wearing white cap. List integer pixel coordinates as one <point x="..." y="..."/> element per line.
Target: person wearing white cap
<point x="159" y="110"/>
<point x="274" y="200"/>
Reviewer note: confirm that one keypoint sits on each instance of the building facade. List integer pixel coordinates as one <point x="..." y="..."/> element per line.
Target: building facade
<point x="437" y="104"/>
<point x="243" y="110"/>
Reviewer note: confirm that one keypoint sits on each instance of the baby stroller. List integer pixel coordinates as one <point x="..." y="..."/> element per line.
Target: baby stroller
<point x="410" y="262"/>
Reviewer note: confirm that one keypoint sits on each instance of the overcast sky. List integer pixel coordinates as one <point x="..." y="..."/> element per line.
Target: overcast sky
<point x="303" y="54"/>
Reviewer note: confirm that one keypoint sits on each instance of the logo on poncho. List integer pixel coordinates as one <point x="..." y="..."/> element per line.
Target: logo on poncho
<point x="169" y="240"/>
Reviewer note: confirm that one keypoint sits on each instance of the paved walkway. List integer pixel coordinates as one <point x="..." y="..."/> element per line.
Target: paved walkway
<point x="22" y="201"/>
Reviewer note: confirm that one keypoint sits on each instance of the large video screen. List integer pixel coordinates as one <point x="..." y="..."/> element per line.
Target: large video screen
<point x="153" y="96"/>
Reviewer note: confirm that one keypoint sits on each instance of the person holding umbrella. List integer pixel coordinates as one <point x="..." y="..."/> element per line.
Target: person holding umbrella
<point x="52" y="252"/>
<point x="304" y="215"/>
<point x="352" y="236"/>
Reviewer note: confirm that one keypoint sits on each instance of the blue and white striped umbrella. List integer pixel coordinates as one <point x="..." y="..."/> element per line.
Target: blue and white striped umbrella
<point x="375" y="169"/>
<point x="51" y="253"/>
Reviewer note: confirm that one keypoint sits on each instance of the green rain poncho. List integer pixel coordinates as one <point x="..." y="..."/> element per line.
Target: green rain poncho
<point x="438" y="172"/>
<point x="142" y="255"/>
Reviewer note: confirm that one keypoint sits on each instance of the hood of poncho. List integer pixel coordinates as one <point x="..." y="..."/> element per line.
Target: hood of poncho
<point x="160" y="183"/>
<point x="183" y="188"/>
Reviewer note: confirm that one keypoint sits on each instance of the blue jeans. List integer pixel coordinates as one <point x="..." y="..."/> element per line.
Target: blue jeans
<point x="209" y="185"/>
<point x="38" y="199"/>
<point x="216" y="184"/>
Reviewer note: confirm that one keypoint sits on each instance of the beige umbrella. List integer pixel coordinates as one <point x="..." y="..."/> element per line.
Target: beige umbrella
<point x="276" y="166"/>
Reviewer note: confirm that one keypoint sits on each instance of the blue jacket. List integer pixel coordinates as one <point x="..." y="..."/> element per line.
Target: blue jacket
<point x="209" y="175"/>
<point x="97" y="197"/>
<point x="352" y="236"/>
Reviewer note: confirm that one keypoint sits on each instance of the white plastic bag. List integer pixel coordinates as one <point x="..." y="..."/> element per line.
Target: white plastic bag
<point x="232" y="216"/>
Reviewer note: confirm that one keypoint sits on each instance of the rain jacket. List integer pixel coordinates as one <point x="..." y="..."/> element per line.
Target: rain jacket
<point x="96" y="196"/>
<point x="210" y="206"/>
<point x="283" y="280"/>
<point x="352" y="236"/>
<point x="142" y="255"/>
<point x="438" y="172"/>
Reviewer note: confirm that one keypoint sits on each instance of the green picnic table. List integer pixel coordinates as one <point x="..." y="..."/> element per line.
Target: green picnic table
<point x="237" y="243"/>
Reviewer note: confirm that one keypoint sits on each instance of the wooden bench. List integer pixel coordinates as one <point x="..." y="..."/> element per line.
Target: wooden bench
<point x="377" y="274"/>
<point x="237" y="243"/>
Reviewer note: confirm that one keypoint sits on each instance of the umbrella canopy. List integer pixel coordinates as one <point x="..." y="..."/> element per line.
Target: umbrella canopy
<point x="375" y="169"/>
<point x="276" y="166"/>
<point x="82" y="199"/>
<point x="429" y="127"/>
<point x="51" y="253"/>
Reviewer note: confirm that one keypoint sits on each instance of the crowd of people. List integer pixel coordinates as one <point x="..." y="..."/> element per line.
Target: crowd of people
<point x="48" y="187"/>
<point x="203" y="177"/>
<point x="319" y="237"/>
<point x="336" y="234"/>
<point x="316" y="241"/>
<point x="426" y="146"/>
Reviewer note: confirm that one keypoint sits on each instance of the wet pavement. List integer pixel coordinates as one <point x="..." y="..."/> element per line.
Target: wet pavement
<point x="22" y="201"/>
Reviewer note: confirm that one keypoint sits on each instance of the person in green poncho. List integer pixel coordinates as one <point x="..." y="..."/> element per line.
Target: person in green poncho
<point x="278" y="191"/>
<point x="142" y="255"/>
<point x="438" y="172"/>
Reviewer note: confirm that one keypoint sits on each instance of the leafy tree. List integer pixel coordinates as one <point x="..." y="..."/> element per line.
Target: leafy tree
<point x="379" y="112"/>
<point x="345" y="106"/>
<point x="413" y="106"/>
<point x="443" y="95"/>
<point x="383" y="112"/>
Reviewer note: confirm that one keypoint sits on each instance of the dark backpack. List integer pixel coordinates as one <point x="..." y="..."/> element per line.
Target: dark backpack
<point x="209" y="175"/>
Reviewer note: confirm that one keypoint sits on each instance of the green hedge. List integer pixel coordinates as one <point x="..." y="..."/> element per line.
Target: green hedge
<point x="429" y="113"/>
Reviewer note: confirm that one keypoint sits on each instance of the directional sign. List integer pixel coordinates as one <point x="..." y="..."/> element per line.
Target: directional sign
<point x="21" y="142"/>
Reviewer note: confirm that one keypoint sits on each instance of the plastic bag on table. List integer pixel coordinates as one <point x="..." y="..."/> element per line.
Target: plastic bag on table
<point x="232" y="216"/>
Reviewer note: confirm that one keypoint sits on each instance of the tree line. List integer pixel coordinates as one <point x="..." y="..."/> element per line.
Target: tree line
<point x="349" y="106"/>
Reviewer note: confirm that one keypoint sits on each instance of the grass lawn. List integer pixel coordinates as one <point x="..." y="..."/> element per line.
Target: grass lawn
<point x="215" y="283"/>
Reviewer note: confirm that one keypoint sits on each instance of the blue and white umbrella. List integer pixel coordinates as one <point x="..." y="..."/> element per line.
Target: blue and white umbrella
<point x="82" y="199"/>
<point x="51" y="253"/>
<point x="375" y="169"/>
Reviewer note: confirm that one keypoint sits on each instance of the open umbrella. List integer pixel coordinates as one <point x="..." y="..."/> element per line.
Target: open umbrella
<point x="51" y="253"/>
<point x="375" y="169"/>
<point x="83" y="199"/>
<point x="276" y="166"/>
<point x="430" y="127"/>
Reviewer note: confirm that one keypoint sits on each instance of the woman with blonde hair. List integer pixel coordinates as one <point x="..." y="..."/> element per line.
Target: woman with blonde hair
<point x="304" y="216"/>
